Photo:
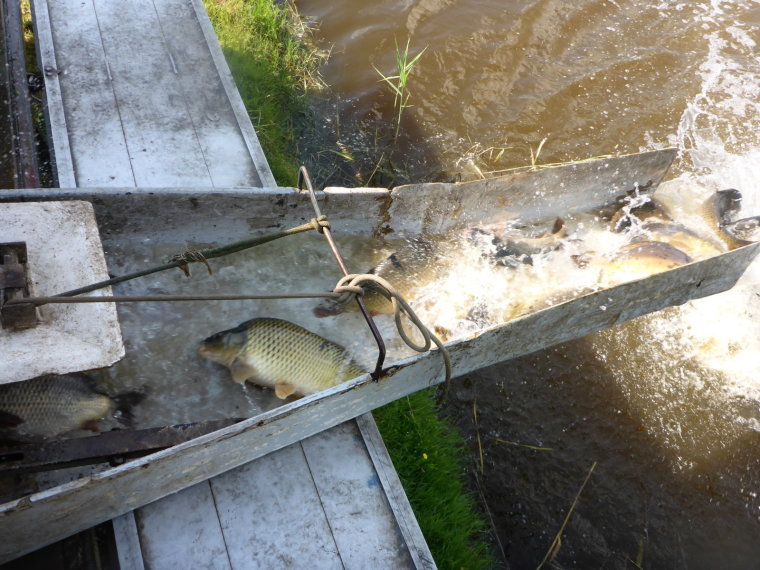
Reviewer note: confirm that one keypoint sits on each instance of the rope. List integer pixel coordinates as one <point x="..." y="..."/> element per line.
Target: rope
<point x="187" y="257"/>
<point x="354" y="284"/>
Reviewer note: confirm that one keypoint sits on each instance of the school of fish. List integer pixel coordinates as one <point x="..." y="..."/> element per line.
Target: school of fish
<point x="528" y="269"/>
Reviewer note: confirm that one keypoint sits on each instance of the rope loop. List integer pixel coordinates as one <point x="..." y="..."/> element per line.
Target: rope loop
<point x="355" y="284"/>
<point x="320" y="223"/>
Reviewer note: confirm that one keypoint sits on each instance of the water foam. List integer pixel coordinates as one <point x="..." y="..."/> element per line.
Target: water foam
<point x="718" y="148"/>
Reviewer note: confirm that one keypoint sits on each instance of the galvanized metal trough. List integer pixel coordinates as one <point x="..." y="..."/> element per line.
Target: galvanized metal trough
<point x="147" y="222"/>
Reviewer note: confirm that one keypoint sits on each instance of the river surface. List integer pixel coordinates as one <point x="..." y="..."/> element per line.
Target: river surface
<point x="668" y="406"/>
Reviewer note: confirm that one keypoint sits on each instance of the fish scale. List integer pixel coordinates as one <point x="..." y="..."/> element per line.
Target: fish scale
<point x="51" y="405"/>
<point x="280" y="355"/>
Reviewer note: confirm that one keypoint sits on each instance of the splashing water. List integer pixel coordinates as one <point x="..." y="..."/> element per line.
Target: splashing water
<point x="706" y="354"/>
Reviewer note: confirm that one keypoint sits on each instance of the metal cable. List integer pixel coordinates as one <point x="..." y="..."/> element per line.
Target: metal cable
<point x="353" y="285"/>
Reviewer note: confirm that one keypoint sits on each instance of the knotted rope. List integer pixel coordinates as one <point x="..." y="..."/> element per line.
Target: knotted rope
<point x="183" y="260"/>
<point x="354" y="284"/>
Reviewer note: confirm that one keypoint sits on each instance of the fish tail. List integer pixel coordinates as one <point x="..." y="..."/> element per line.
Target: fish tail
<point x="124" y="404"/>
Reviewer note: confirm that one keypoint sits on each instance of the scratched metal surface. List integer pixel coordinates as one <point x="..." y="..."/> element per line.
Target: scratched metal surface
<point x="207" y="217"/>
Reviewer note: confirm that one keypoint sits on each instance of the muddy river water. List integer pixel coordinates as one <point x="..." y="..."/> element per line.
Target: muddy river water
<point x="668" y="406"/>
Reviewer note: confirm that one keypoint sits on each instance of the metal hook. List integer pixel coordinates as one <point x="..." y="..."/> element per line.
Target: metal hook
<point x="303" y="176"/>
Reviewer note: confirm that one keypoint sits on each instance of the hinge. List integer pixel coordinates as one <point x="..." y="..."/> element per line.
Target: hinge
<point x="14" y="284"/>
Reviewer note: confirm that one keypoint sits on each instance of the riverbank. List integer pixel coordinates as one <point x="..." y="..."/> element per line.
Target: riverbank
<point x="267" y="50"/>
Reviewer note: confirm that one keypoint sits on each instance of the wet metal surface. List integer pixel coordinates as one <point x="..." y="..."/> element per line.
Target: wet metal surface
<point x="176" y="218"/>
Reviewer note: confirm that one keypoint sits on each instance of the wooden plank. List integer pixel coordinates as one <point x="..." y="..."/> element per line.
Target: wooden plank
<point x="330" y="489"/>
<point x="124" y="77"/>
<point x="98" y="148"/>
<point x="272" y="515"/>
<point x="233" y="95"/>
<point x="128" y="542"/>
<point x="219" y="134"/>
<point x="402" y="510"/>
<point x="357" y="509"/>
<point x="161" y="137"/>
<point x="60" y="149"/>
<point x="182" y="531"/>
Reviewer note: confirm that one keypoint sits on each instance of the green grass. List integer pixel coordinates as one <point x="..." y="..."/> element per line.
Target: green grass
<point x="429" y="456"/>
<point x="273" y="68"/>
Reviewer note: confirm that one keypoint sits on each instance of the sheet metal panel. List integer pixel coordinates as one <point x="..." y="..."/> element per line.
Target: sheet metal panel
<point x="82" y="503"/>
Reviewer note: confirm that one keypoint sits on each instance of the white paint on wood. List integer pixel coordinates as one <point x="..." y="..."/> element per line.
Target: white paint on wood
<point x="161" y="137"/>
<point x="389" y="479"/>
<point x="138" y="93"/>
<point x="272" y="516"/>
<point x="236" y="102"/>
<point x="64" y="252"/>
<point x="362" y="522"/>
<point x="318" y="503"/>
<point x="92" y="116"/>
<point x="127" y="541"/>
<point x="182" y="531"/>
<point x="216" y="126"/>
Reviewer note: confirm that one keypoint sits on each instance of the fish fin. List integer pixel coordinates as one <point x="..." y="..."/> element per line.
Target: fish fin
<point x="241" y="371"/>
<point x="9" y="420"/>
<point x="90" y="425"/>
<point x="284" y="389"/>
<point x="322" y="311"/>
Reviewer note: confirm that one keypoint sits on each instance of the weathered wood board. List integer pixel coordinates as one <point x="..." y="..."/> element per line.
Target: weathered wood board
<point x="361" y="214"/>
<point x="123" y="101"/>
<point x="322" y="499"/>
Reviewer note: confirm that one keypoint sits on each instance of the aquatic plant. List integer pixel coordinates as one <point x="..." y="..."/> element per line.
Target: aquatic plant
<point x="398" y="83"/>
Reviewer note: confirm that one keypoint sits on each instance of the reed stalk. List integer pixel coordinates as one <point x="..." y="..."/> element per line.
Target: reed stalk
<point x="398" y="83"/>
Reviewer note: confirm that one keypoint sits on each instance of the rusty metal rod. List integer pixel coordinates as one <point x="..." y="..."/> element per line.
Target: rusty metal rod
<point x="38" y="301"/>
<point x="194" y="257"/>
<point x="303" y="176"/>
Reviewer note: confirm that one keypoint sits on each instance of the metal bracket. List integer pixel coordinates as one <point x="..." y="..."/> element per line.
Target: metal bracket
<point x="303" y="178"/>
<point x="14" y="284"/>
<point x="115" y="447"/>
